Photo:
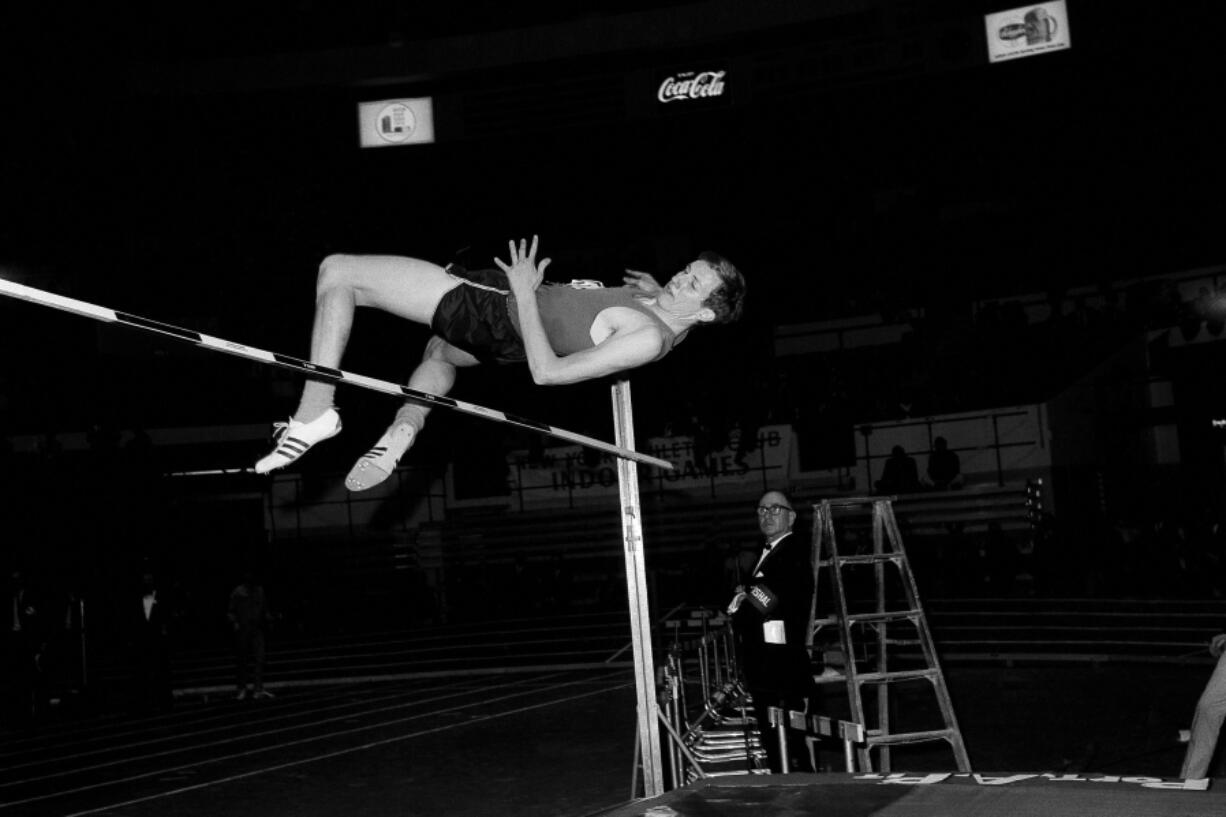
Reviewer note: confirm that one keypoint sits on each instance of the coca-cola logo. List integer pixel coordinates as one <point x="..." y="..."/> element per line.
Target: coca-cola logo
<point x="691" y="85"/>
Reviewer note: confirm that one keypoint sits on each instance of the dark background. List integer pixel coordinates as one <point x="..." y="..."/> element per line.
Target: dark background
<point x="195" y="164"/>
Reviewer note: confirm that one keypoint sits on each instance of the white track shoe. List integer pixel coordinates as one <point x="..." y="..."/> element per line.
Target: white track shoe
<point x="293" y="439"/>
<point x="380" y="461"/>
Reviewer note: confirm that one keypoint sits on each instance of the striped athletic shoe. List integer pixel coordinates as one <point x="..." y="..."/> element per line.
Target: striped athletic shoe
<point x="380" y="461"/>
<point x="293" y="439"/>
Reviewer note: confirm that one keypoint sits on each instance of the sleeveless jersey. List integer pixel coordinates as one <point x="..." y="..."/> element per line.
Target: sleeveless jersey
<point x="567" y="313"/>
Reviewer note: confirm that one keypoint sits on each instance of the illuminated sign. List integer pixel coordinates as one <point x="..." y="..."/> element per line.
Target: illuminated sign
<point x="393" y="122"/>
<point x="691" y="85"/>
<point x="1027" y="31"/>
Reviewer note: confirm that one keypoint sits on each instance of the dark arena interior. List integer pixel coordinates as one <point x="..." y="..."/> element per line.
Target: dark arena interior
<point x="979" y="373"/>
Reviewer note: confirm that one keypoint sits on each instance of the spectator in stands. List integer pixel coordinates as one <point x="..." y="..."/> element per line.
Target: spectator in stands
<point x="900" y="474"/>
<point x="1210" y="712"/>
<point x="944" y="466"/>
<point x="249" y="618"/>
<point x="22" y="650"/>
<point x="770" y="615"/>
<point x="151" y="647"/>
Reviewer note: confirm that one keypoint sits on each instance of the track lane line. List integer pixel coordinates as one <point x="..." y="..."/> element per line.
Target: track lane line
<point x="312" y="739"/>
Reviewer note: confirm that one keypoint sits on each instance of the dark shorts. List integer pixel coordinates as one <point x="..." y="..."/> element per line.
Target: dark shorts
<point x="474" y="316"/>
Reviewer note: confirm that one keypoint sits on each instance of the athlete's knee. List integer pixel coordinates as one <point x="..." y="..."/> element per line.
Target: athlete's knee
<point x="440" y="351"/>
<point x="333" y="273"/>
<point x="437" y="350"/>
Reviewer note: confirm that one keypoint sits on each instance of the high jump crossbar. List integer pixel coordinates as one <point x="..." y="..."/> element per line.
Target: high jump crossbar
<point x="101" y="313"/>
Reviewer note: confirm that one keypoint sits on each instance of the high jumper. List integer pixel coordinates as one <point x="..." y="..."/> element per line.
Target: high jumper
<point x="566" y="333"/>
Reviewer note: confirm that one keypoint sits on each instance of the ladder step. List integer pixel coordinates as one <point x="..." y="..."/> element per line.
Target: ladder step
<point x="891" y="615"/>
<point x="864" y="559"/>
<point x="909" y="737"/>
<point x="900" y="675"/>
<point x="850" y="501"/>
<point x="876" y="515"/>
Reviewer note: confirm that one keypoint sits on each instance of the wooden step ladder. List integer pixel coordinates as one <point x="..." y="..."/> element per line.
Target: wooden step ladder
<point x="882" y="631"/>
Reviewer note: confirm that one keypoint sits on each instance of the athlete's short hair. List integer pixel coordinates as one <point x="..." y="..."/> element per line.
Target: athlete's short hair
<point x="728" y="299"/>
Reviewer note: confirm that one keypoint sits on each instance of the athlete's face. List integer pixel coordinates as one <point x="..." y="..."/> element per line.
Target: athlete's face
<point x="686" y="291"/>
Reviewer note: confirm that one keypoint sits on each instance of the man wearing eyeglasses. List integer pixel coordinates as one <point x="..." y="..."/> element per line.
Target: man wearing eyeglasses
<point x="770" y="614"/>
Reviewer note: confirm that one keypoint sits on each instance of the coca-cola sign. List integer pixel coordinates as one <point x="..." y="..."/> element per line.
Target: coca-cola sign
<point x="690" y="85"/>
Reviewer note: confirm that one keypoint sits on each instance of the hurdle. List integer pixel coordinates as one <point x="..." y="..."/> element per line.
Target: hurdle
<point x="851" y="734"/>
<point x="104" y="314"/>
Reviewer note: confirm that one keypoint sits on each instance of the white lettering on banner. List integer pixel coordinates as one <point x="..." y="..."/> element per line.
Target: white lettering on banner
<point x="911" y="780"/>
<point x="556" y="475"/>
<point x="1046" y="777"/>
<point x="690" y="85"/>
<point x="985" y="780"/>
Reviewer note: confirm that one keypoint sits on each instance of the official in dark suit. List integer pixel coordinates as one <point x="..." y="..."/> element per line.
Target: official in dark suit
<point x="770" y="614"/>
<point x="150" y="641"/>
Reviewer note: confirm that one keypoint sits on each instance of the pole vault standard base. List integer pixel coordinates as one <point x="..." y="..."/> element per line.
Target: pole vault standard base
<point x="648" y="743"/>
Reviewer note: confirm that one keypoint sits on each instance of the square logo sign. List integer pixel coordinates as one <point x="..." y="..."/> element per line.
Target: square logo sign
<point x="1027" y="31"/>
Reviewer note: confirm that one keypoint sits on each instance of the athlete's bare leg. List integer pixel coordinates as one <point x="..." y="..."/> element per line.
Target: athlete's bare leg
<point x="406" y="287"/>
<point x="435" y="374"/>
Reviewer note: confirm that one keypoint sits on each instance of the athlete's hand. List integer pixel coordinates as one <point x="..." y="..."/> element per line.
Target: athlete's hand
<point x="523" y="271"/>
<point x="644" y="282"/>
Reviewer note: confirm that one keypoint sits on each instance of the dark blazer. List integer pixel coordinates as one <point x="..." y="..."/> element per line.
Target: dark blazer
<point x="782" y="588"/>
<point x="149" y="633"/>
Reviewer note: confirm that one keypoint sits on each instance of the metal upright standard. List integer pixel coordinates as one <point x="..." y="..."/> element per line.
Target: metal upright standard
<point x="636" y="588"/>
<point x="882" y="631"/>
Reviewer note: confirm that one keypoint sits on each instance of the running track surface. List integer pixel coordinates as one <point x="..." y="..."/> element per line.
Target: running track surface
<point x="519" y="719"/>
<point x="530" y="744"/>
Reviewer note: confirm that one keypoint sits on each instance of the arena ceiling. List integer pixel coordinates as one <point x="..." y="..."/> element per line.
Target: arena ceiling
<point x="868" y="144"/>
